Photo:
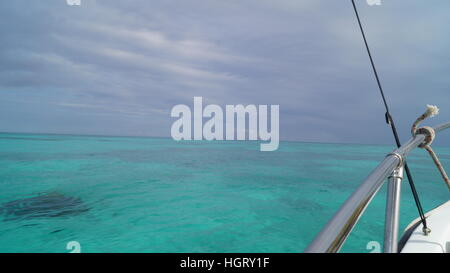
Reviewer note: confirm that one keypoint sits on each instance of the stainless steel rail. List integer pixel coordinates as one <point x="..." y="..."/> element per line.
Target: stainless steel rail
<point x="441" y="127"/>
<point x="333" y="236"/>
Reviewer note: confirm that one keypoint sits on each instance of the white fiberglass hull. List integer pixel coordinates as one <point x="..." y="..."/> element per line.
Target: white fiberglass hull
<point x="438" y="241"/>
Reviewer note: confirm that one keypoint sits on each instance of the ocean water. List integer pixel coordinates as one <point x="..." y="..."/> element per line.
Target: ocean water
<point x="129" y="194"/>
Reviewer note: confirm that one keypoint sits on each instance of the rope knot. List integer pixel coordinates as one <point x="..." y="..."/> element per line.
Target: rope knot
<point x="429" y="136"/>
<point x="429" y="133"/>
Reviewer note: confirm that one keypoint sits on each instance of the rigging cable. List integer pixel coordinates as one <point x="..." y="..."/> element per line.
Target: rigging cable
<point x="390" y="121"/>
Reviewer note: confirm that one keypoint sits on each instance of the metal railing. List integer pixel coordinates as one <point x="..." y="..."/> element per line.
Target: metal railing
<point x="335" y="233"/>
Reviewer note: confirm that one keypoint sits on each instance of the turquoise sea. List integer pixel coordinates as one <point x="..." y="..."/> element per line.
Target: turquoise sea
<point x="131" y="194"/>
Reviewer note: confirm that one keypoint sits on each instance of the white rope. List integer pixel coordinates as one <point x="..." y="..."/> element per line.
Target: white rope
<point x="429" y="133"/>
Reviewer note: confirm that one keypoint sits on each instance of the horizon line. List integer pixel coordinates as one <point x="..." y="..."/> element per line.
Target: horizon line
<point x="168" y="137"/>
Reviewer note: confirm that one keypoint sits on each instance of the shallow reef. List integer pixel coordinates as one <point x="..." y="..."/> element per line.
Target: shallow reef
<point x="53" y="204"/>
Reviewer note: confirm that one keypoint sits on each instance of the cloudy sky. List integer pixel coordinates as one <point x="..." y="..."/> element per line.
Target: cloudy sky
<point x="113" y="67"/>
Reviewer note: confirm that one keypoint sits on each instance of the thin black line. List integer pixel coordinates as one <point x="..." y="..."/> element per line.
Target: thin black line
<point x="390" y="121"/>
<point x="370" y="57"/>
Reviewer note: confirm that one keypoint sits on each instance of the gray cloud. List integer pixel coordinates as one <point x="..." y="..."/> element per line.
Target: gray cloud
<point x="116" y="67"/>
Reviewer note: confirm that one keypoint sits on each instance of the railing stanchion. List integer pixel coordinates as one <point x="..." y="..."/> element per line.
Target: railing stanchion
<point x="393" y="211"/>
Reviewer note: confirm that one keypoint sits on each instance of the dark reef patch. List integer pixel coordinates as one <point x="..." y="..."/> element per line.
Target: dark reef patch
<point x="52" y="204"/>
